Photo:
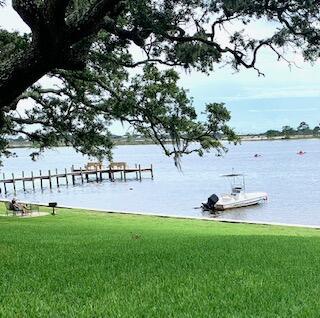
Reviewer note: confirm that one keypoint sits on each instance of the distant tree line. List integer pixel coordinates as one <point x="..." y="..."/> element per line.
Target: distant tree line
<point x="287" y="131"/>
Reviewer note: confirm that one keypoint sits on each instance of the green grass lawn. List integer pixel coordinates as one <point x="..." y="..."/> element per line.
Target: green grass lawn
<point x="79" y="264"/>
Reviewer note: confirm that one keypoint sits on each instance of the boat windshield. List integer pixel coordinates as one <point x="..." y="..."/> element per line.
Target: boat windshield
<point x="237" y="182"/>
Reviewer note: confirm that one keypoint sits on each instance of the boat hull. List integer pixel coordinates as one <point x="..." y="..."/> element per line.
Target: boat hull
<point x="227" y="202"/>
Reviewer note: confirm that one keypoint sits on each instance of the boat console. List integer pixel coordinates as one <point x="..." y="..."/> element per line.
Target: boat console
<point x="236" y="190"/>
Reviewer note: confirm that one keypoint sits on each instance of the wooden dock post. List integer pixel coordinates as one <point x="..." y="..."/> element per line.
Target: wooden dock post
<point x="97" y="174"/>
<point x="72" y="175"/>
<point x="136" y="166"/>
<point x="57" y="178"/>
<point x="23" y="182"/>
<point x="41" y="181"/>
<point x="140" y="177"/>
<point x="14" y="183"/>
<point x="50" y="181"/>
<point x="32" y="179"/>
<point x="81" y="175"/>
<point x="124" y="173"/>
<point x="66" y="175"/>
<point x="73" y="179"/>
<point x="4" y="184"/>
<point x="151" y="171"/>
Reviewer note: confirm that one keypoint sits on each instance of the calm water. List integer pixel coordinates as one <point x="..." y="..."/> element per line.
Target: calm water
<point x="292" y="181"/>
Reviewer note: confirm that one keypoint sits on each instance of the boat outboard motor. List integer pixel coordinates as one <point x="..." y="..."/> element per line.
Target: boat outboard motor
<point x="212" y="200"/>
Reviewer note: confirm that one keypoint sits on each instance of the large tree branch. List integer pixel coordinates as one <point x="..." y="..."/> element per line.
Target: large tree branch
<point x="56" y="10"/>
<point x="52" y="46"/>
<point x="54" y="13"/>
<point x="27" y="121"/>
<point x="18" y="74"/>
<point x="237" y="54"/>
<point x="93" y="19"/>
<point x="29" y="11"/>
<point x="135" y="35"/>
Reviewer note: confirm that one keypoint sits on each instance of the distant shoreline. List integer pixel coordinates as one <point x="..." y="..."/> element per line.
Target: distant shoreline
<point x="27" y="144"/>
<point x="264" y="138"/>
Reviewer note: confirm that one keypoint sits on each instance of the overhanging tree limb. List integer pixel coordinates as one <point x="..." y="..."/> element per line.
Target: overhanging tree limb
<point x="29" y="11"/>
<point x="93" y="19"/>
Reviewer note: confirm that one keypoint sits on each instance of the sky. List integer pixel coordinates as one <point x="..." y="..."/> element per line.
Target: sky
<point x="285" y="96"/>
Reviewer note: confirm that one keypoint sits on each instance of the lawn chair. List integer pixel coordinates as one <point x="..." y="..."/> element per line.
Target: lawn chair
<point x="9" y="210"/>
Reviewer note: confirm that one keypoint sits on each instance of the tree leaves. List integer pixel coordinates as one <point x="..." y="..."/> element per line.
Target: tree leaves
<point x="79" y="113"/>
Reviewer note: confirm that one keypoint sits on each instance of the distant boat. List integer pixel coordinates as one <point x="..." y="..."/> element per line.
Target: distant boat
<point x="301" y="152"/>
<point x="237" y="198"/>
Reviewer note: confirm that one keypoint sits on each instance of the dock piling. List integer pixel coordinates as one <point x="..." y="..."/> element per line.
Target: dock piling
<point x="66" y="174"/>
<point x="136" y="166"/>
<point x="57" y="178"/>
<point x="110" y="174"/>
<point x="97" y="174"/>
<point x="49" y="177"/>
<point x="72" y="176"/>
<point x="14" y="183"/>
<point x="4" y="184"/>
<point x="41" y="181"/>
<point x="32" y="179"/>
<point x="81" y="175"/>
<point x="124" y="174"/>
<point x="23" y="182"/>
<point x="140" y="178"/>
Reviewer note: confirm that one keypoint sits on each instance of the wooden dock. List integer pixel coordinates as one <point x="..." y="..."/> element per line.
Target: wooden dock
<point x="78" y="176"/>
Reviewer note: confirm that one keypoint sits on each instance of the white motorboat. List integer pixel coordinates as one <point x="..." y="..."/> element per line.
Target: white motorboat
<point x="238" y="196"/>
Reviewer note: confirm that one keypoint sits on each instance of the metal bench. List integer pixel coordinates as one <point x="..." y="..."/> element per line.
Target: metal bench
<point x="91" y="166"/>
<point x="118" y="165"/>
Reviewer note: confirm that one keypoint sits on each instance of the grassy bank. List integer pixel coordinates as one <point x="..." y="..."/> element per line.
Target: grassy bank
<point x="78" y="264"/>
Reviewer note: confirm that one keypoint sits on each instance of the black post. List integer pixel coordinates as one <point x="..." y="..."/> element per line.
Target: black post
<point x="41" y="181"/>
<point x="49" y="176"/>
<point x="4" y="184"/>
<point x="57" y="178"/>
<point x="32" y="178"/>
<point x="14" y="183"/>
<point x="23" y="182"/>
